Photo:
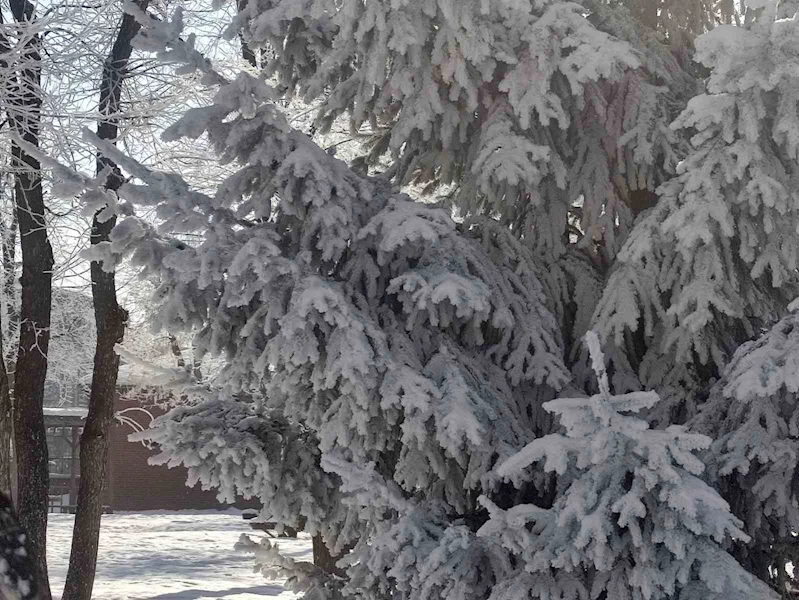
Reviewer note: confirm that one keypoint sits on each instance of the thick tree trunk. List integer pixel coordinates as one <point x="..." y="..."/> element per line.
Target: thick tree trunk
<point x="34" y="334"/>
<point x="111" y="320"/>
<point x="34" y="339"/>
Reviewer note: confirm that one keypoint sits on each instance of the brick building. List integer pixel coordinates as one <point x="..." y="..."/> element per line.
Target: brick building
<point x="132" y="483"/>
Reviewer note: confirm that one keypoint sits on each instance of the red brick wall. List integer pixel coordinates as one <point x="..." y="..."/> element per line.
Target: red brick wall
<point x="135" y="485"/>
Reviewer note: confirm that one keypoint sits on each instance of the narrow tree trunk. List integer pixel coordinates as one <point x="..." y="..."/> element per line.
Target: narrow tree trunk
<point x="6" y="415"/>
<point x="34" y="335"/>
<point x="6" y="431"/>
<point x="6" y="426"/>
<point x="111" y="320"/>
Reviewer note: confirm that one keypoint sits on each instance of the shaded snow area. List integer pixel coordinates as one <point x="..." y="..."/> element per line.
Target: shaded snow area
<point x="185" y="555"/>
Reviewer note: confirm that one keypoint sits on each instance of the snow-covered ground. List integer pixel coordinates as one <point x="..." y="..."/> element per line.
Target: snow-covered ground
<point x="185" y="555"/>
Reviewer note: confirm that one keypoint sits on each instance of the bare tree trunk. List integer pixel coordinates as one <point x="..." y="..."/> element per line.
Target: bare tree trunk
<point x="94" y="441"/>
<point x="34" y="341"/>
<point x="37" y="272"/>
<point x="6" y="426"/>
<point x="111" y="320"/>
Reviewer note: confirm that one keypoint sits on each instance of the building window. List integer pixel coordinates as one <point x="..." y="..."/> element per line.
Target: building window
<point x="63" y="444"/>
<point x="63" y="451"/>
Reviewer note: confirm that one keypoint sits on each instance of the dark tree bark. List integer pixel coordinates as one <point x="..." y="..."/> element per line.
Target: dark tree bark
<point x="323" y="558"/>
<point x="34" y="334"/>
<point x="111" y="320"/>
<point x="6" y="425"/>
<point x="641" y="200"/>
<point x="6" y="414"/>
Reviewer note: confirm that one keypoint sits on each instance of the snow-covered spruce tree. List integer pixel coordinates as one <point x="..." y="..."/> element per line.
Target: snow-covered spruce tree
<point x="632" y="517"/>
<point x="753" y="416"/>
<point x="716" y="259"/>
<point x="409" y="352"/>
<point x="549" y="116"/>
